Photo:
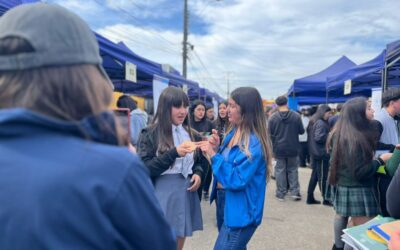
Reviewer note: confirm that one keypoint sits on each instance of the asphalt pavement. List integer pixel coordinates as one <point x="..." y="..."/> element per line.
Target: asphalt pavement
<point x="289" y="225"/>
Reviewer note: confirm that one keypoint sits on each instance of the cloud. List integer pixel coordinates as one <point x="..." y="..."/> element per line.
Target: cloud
<point x="142" y="9"/>
<point x="261" y="43"/>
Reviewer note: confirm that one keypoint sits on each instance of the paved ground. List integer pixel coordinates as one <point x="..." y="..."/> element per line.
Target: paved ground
<point x="286" y="225"/>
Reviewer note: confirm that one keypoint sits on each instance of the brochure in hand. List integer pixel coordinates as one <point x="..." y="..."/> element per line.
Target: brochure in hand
<point x="362" y="238"/>
<point x="385" y="230"/>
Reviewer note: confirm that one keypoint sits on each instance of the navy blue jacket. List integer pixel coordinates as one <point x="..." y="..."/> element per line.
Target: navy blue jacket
<point x="59" y="190"/>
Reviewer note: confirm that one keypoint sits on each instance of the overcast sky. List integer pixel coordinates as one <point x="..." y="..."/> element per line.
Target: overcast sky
<point x="261" y="43"/>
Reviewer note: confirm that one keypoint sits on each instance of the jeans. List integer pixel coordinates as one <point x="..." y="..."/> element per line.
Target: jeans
<point x="286" y="172"/>
<point x="319" y="175"/>
<point x="234" y="238"/>
<point x="220" y="202"/>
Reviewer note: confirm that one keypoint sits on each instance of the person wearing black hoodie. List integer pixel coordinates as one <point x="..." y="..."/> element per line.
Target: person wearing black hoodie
<point x="284" y="127"/>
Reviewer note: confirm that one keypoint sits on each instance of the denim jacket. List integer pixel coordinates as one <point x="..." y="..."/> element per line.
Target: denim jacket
<point x="244" y="180"/>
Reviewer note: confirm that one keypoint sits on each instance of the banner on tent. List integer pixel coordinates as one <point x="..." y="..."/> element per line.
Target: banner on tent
<point x="347" y="87"/>
<point x="159" y="84"/>
<point x="130" y="72"/>
<point x="376" y="99"/>
<point x="185" y="88"/>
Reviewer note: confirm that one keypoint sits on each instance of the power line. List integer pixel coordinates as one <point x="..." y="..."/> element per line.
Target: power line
<point x="140" y="43"/>
<point x="204" y="66"/>
<point x="199" y="77"/>
<point x="135" y="20"/>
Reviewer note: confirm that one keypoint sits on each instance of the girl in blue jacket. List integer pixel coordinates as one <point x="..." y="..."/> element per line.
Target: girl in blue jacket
<point x="240" y="165"/>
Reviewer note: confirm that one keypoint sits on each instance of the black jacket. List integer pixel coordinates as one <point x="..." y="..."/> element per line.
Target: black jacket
<point x="204" y="125"/>
<point x="284" y="129"/>
<point x="317" y="136"/>
<point x="147" y="150"/>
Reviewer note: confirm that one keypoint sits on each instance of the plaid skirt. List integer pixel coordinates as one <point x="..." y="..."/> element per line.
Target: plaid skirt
<point x="355" y="201"/>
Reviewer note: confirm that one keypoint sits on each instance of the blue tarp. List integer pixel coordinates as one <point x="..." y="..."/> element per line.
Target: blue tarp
<point x="393" y="51"/>
<point x="315" y="100"/>
<point x="364" y="77"/>
<point x="145" y="68"/>
<point x="315" y="85"/>
<point x="8" y="4"/>
<point x="393" y="63"/>
<point x="141" y="88"/>
<point x="114" y="58"/>
<point x="312" y="89"/>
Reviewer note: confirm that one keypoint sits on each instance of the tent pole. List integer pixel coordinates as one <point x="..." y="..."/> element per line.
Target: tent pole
<point x="384" y="78"/>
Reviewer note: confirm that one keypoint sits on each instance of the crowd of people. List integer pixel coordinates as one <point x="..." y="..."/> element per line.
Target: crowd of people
<point x="351" y="156"/>
<point x="69" y="178"/>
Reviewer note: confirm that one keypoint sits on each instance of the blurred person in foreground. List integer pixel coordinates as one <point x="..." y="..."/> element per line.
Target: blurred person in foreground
<point x="67" y="178"/>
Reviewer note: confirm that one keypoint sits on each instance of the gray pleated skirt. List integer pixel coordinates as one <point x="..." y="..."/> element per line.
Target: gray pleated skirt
<point x="181" y="207"/>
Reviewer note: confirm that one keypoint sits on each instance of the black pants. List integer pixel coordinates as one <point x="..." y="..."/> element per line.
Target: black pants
<point x="383" y="185"/>
<point x="203" y="185"/>
<point x="303" y="154"/>
<point x="207" y="180"/>
<point x="319" y="176"/>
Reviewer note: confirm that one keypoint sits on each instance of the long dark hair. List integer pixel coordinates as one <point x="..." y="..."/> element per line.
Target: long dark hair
<point x="318" y="115"/>
<point x="222" y="122"/>
<point x="194" y="106"/>
<point x="352" y="135"/>
<point x="253" y="121"/>
<point x="162" y="122"/>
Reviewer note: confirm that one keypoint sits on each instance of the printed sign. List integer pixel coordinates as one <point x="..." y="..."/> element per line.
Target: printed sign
<point x="347" y="87"/>
<point x="130" y="72"/>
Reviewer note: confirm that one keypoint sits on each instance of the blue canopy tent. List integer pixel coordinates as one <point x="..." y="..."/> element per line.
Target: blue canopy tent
<point x="114" y="58"/>
<point x="145" y="68"/>
<point x="139" y="88"/>
<point x="8" y="4"/>
<point x="364" y="77"/>
<point x="391" y="72"/>
<point x="312" y="89"/>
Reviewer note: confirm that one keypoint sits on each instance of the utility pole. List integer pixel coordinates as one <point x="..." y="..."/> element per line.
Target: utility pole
<point x="185" y="37"/>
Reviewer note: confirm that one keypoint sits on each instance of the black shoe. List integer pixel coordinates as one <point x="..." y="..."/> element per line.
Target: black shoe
<point x="296" y="197"/>
<point x="282" y="199"/>
<point x="312" y="202"/>
<point x="327" y="203"/>
<point x="336" y="248"/>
